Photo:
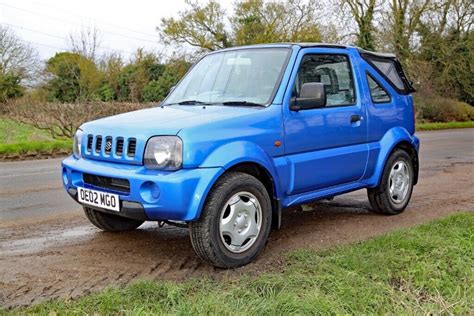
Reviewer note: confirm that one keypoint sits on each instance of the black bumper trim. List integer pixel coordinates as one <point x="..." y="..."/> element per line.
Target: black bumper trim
<point x="133" y="210"/>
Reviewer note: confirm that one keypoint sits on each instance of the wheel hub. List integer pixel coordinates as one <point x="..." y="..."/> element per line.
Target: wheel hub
<point x="240" y="222"/>
<point x="399" y="182"/>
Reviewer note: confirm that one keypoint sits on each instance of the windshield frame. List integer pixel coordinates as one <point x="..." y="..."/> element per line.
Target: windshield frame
<point x="277" y="82"/>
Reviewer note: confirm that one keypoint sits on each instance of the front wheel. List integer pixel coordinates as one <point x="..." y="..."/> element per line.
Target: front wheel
<point x="391" y="197"/>
<point x="235" y="222"/>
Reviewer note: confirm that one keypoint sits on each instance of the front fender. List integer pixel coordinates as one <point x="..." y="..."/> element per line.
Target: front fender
<point x="234" y="153"/>
<point x="381" y="150"/>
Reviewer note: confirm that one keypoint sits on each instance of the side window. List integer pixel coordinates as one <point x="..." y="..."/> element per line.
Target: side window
<point x="334" y="71"/>
<point x="377" y="92"/>
<point x="391" y="70"/>
<point x="387" y="67"/>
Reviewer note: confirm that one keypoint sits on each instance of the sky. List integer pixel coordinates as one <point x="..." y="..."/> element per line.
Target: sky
<point x="124" y="25"/>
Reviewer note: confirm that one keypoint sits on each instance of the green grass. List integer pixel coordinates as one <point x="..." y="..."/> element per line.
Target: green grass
<point x="14" y="132"/>
<point x="422" y="270"/>
<point x="447" y="125"/>
<point x="36" y="147"/>
<point x="19" y="139"/>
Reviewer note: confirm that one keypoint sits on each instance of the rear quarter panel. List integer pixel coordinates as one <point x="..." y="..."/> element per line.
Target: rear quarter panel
<point x="388" y="123"/>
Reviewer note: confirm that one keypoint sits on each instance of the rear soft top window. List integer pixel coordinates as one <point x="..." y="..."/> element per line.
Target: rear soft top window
<point x="391" y="69"/>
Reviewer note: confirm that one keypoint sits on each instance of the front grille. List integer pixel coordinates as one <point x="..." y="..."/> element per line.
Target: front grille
<point x="132" y="147"/>
<point x="114" y="184"/>
<point x="114" y="148"/>
<point x="98" y="144"/>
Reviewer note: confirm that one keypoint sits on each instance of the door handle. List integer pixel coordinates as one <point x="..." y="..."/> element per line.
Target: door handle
<point x="355" y="118"/>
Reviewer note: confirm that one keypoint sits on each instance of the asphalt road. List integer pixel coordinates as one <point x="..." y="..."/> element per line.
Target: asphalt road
<point x="33" y="189"/>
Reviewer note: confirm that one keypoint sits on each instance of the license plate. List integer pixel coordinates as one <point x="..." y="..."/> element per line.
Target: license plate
<point x="100" y="199"/>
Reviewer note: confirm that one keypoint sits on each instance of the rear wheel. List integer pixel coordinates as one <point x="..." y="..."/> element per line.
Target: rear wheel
<point x="110" y="222"/>
<point x="235" y="222"/>
<point x="391" y="197"/>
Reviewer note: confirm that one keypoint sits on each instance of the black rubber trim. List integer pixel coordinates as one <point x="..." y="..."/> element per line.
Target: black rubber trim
<point x="133" y="210"/>
<point x="276" y="214"/>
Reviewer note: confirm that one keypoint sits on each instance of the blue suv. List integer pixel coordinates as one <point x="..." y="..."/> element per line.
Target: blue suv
<point x="247" y="132"/>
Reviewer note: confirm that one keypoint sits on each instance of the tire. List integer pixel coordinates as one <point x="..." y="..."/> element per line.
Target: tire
<point x="218" y="234"/>
<point x="111" y="223"/>
<point x="382" y="199"/>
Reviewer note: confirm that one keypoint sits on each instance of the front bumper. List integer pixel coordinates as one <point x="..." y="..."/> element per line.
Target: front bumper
<point x="154" y="195"/>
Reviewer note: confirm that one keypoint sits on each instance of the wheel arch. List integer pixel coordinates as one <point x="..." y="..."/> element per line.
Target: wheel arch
<point x="395" y="138"/>
<point x="410" y="150"/>
<point x="263" y="174"/>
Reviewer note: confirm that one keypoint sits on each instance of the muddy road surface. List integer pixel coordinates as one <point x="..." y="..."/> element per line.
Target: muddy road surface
<point x="48" y="249"/>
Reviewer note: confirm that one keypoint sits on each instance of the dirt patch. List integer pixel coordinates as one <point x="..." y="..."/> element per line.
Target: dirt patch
<point x="34" y="156"/>
<point x="67" y="257"/>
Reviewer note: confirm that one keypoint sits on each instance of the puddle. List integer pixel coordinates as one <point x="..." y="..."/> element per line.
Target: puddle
<point x="53" y="237"/>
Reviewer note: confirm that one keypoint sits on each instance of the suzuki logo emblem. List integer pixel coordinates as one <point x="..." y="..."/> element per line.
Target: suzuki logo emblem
<point x="108" y="145"/>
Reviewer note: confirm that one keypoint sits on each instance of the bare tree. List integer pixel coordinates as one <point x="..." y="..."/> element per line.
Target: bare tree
<point x="86" y="42"/>
<point x="404" y="19"/>
<point x="17" y="56"/>
<point x="362" y="12"/>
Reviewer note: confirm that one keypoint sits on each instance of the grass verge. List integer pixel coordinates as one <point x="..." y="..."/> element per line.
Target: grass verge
<point x="446" y="125"/>
<point x="421" y="270"/>
<point x="19" y="140"/>
<point x="35" y="148"/>
<point x="15" y="132"/>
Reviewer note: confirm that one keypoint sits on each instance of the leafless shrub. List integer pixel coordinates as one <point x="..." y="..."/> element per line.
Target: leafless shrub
<point x="85" y="42"/>
<point x="61" y="120"/>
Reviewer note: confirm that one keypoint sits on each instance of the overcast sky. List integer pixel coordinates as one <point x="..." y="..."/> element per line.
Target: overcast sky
<point x="125" y="25"/>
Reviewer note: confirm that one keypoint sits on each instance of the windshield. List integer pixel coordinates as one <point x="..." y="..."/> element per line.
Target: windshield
<point x="245" y="75"/>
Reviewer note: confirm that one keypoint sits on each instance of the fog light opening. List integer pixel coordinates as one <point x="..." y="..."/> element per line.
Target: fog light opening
<point x="150" y="192"/>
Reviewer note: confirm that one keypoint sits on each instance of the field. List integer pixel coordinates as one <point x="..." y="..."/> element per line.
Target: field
<point x="422" y="270"/>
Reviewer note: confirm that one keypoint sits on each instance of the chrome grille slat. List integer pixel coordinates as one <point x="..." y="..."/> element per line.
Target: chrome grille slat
<point x="90" y="141"/>
<point x="98" y="144"/>
<point x="119" y="146"/>
<point x="132" y="147"/>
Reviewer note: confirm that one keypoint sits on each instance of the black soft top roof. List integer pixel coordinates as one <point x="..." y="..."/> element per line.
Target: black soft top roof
<point x="329" y="45"/>
<point x="376" y="54"/>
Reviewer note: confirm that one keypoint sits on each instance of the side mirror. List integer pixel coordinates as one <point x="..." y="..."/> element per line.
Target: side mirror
<point x="312" y="96"/>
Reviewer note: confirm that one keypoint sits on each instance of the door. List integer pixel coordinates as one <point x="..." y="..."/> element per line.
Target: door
<point x="326" y="146"/>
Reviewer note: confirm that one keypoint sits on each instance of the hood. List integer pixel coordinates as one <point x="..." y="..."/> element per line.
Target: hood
<point x="168" y="120"/>
<point x="129" y="132"/>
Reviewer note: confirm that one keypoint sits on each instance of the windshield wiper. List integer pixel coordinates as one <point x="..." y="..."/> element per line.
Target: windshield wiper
<point x="242" y="103"/>
<point x="189" y="102"/>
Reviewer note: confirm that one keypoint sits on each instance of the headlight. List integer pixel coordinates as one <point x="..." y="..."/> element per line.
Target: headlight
<point x="164" y="153"/>
<point x="76" y="144"/>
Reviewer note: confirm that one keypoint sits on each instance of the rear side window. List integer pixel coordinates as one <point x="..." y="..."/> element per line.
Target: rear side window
<point x="391" y="70"/>
<point x="377" y="92"/>
<point x="387" y="67"/>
